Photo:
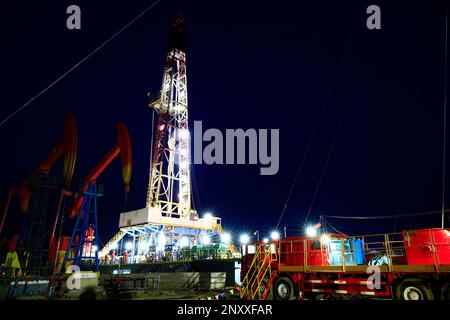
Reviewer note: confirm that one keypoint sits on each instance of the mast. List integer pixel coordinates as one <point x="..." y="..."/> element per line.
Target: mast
<point x="169" y="184"/>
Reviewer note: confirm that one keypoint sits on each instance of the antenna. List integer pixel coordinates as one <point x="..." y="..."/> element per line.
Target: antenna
<point x="445" y="122"/>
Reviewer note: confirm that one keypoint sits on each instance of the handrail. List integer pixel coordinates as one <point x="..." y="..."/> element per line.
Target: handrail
<point x="392" y="245"/>
<point x="257" y="272"/>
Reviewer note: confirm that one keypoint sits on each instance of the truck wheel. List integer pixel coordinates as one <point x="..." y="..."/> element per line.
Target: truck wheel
<point x="283" y="289"/>
<point x="414" y="290"/>
<point x="445" y="292"/>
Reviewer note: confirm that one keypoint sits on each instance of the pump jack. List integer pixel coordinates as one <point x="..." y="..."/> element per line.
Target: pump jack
<point x="34" y="194"/>
<point x="83" y="246"/>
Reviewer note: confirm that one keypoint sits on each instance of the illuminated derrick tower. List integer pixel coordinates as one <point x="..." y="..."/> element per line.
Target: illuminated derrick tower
<point x="168" y="225"/>
<point x="169" y="185"/>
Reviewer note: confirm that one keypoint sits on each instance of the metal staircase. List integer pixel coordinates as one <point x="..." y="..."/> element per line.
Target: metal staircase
<point x="114" y="240"/>
<point x="258" y="280"/>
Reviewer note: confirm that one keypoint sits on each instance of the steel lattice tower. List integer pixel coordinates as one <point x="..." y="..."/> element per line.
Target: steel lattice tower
<point x="168" y="225"/>
<point x="169" y="186"/>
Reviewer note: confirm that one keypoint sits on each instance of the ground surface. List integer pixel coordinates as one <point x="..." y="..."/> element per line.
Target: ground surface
<point x="100" y="294"/>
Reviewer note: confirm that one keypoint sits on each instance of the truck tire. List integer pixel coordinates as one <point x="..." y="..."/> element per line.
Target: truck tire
<point x="414" y="289"/>
<point x="283" y="289"/>
<point x="445" y="292"/>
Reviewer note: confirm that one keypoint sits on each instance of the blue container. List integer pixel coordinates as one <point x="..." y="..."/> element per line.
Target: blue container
<point x="353" y="252"/>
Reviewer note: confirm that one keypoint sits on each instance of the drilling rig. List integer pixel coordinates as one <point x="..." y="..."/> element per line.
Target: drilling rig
<point x="168" y="223"/>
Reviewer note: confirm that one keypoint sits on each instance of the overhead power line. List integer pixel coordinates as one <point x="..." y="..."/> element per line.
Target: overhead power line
<point x="29" y="102"/>
<point x="330" y="152"/>
<point x="396" y="216"/>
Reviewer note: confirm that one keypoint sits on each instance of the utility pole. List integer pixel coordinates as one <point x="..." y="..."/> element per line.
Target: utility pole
<point x="445" y="121"/>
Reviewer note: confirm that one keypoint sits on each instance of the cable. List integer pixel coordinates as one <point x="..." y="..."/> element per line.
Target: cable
<point x="308" y="146"/>
<point x="79" y="63"/>
<point x="333" y="144"/>
<point x="387" y="217"/>
<point x="196" y="190"/>
<point x="332" y="227"/>
<point x="151" y="160"/>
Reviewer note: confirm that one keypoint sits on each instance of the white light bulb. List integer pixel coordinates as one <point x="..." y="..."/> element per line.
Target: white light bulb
<point x="244" y="239"/>
<point x="325" y="239"/>
<point x="183" y="133"/>
<point x="275" y="235"/>
<point x="206" y="240"/>
<point x="184" y="242"/>
<point x="226" y="238"/>
<point x="311" y="231"/>
<point x="207" y="216"/>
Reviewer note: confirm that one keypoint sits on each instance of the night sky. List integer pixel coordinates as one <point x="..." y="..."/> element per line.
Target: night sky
<point x="251" y="64"/>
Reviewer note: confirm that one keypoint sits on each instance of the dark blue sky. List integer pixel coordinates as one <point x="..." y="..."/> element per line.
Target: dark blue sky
<point x="250" y="65"/>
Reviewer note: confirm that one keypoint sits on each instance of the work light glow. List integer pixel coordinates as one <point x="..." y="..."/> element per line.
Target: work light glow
<point x="325" y="239"/>
<point x="161" y="240"/>
<point x="226" y="238"/>
<point x="311" y="231"/>
<point x="206" y="240"/>
<point x="184" y="242"/>
<point x="184" y="165"/>
<point x="207" y="216"/>
<point x="183" y="133"/>
<point x="275" y="235"/>
<point x="244" y="239"/>
<point x="143" y="247"/>
<point x="128" y="245"/>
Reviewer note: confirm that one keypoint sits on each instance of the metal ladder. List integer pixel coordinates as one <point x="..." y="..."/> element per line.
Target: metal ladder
<point x="259" y="271"/>
<point x="119" y="235"/>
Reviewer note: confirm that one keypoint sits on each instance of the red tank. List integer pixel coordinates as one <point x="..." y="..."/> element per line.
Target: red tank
<point x="427" y="246"/>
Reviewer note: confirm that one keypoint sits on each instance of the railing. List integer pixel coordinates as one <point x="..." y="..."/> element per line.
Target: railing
<point x="140" y="282"/>
<point x="389" y="250"/>
<point x="114" y="240"/>
<point x="258" y="272"/>
<point x="184" y="255"/>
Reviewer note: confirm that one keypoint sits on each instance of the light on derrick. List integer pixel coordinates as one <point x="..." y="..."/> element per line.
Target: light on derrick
<point x="226" y="238"/>
<point x="206" y="240"/>
<point x="128" y="245"/>
<point x="207" y="216"/>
